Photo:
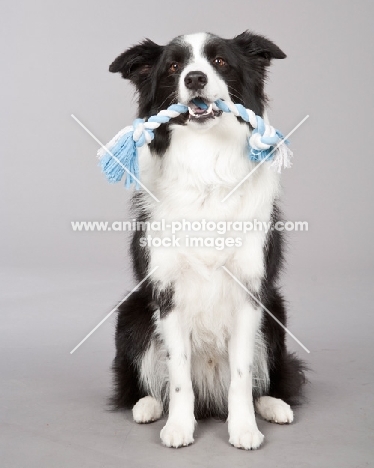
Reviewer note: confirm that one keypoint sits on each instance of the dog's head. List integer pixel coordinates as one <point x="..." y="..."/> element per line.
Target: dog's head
<point x="201" y="66"/>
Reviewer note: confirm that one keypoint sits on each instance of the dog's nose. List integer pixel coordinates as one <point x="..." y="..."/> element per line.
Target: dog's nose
<point x="195" y="80"/>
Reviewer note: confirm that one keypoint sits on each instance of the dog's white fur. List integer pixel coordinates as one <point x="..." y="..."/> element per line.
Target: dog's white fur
<point x="213" y="322"/>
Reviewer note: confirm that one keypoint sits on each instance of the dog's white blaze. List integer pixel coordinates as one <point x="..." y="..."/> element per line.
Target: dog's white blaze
<point x="216" y="88"/>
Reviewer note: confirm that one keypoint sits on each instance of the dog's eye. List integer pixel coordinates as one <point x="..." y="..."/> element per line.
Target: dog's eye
<point x="219" y="61"/>
<point x="174" y="67"/>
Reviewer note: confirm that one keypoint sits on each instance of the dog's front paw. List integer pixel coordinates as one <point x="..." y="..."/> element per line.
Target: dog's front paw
<point x="245" y="436"/>
<point x="177" y="433"/>
<point x="146" y="410"/>
<point x="274" y="410"/>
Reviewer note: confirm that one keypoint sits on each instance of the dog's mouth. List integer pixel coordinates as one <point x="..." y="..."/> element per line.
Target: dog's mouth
<point x="200" y="110"/>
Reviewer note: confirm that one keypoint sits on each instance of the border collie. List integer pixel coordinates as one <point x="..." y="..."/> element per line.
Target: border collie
<point x="191" y="342"/>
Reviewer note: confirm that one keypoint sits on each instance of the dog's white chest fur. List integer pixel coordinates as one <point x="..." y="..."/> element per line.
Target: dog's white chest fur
<point x="191" y="180"/>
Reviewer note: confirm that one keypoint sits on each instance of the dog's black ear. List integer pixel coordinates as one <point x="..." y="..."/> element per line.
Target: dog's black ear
<point x="255" y="45"/>
<point x="136" y="63"/>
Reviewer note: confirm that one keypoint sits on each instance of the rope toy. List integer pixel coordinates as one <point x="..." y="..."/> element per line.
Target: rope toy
<point x="121" y="155"/>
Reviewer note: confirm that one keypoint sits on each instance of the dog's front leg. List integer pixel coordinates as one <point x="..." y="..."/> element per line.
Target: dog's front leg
<point x="242" y="424"/>
<point x="180" y="425"/>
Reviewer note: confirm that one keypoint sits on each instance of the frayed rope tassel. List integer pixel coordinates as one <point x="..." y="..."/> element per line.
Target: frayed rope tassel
<point x="122" y="156"/>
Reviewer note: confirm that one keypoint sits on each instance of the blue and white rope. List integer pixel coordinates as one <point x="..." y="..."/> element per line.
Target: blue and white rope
<point x="264" y="143"/>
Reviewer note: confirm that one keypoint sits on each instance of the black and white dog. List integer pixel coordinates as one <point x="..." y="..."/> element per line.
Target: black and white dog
<point x="191" y="341"/>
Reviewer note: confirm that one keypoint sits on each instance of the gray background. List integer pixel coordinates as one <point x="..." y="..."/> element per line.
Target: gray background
<point x="56" y="285"/>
